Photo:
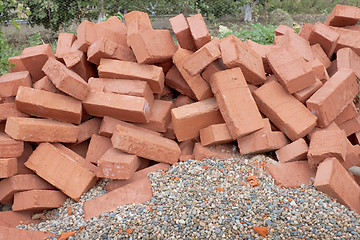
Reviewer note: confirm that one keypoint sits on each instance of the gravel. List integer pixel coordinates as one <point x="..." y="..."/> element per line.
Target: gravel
<point x="211" y="199"/>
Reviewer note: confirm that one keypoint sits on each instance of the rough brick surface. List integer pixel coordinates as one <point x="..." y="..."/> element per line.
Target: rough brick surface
<point x="8" y="167"/>
<point x="175" y="80"/>
<point x="292" y="71"/>
<point x="319" y="53"/>
<point x="10" y="110"/>
<point x="198" y="85"/>
<point x="19" y="183"/>
<point x="333" y="179"/>
<point x="123" y="86"/>
<point x="77" y="62"/>
<point x="16" y="64"/>
<point x="65" y="79"/>
<point x="45" y="104"/>
<point x="294" y="151"/>
<point x="301" y="45"/>
<point x="110" y="68"/>
<point x="13" y="219"/>
<point x="215" y="134"/>
<point x="34" y="59"/>
<point x="213" y="67"/>
<point x="348" y="113"/>
<point x="63" y="172"/>
<point x="343" y="15"/>
<point x="325" y="36"/>
<point x="319" y="70"/>
<point x="199" y="30"/>
<point x="235" y="53"/>
<point x="351" y="126"/>
<point x="348" y="59"/>
<point x="261" y="50"/>
<point x="9" y="147"/>
<point x="292" y="174"/>
<point x="282" y="30"/>
<point x="115" y="164"/>
<point x="145" y="144"/>
<point x="138" y="191"/>
<point x="10" y="82"/>
<point x="199" y="60"/>
<point x="22" y="234"/>
<point x="46" y="85"/>
<point x="87" y="129"/>
<point x="41" y="130"/>
<point x="112" y="185"/>
<point x="236" y="103"/>
<point x="38" y="200"/>
<point x="64" y="43"/>
<point x="348" y="38"/>
<point x="306" y="93"/>
<point x="97" y="147"/>
<point x="182" y="32"/>
<point x="189" y="119"/>
<point x="287" y="113"/>
<point x="123" y="107"/>
<point x="332" y="98"/>
<point x="223" y="151"/>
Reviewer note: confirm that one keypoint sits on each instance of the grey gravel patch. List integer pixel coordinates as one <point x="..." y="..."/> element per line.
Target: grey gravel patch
<point x="212" y="199"/>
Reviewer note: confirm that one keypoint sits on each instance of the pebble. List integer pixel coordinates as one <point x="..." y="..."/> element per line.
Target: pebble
<point x="194" y="207"/>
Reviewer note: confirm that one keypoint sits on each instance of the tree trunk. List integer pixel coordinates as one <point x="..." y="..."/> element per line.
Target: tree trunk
<point x="266" y="12"/>
<point x="102" y="10"/>
<point x="248" y="12"/>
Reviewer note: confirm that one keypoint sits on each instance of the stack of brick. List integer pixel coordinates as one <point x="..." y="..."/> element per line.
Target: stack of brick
<point x="103" y="107"/>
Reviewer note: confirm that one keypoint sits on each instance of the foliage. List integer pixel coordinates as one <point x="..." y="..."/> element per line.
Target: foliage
<point x="257" y="33"/>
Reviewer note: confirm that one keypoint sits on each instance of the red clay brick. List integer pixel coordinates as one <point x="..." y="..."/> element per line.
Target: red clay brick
<point x="65" y="79"/>
<point x="189" y="119"/>
<point x="348" y="59"/>
<point x="165" y="65"/>
<point x="351" y="126"/>
<point x="296" y="42"/>
<point x="282" y="30"/>
<point x="97" y="147"/>
<point x="41" y="130"/>
<point x="160" y="116"/>
<point x="292" y="152"/>
<point x="123" y="86"/>
<point x="8" y="167"/>
<point x="45" y="104"/>
<point x="9" y="147"/>
<point x="10" y="82"/>
<point x="348" y="113"/>
<point x="46" y="85"/>
<point x="319" y="53"/>
<point x="64" y="43"/>
<point x="306" y="93"/>
<point x="10" y="110"/>
<point x="343" y="15"/>
<point x="79" y="148"/>
<point x="182" y="100"/>
<point x="170" y="133"/>
<point x="319" y="70"/>
<point x="110" y="68"/>
<point x="105" y="48"/>
<point x="215" y="134"/>
<point x="292" y="71"/>
<point x="235" y="53"/>
<point x="137" y="21"/>
<point x="145" y="144"/>
<point x="16" y="65"/>
<point x="291" y="174"/>
<point x="236" y="103"/>
<point x="333" y="179"/>
<point x="261" y="50"/>
<point x="63" y="172"/>
<point x="325" y="36"/>
<point x="182" y="32"/>
<point x="332" y="98"/>
<point x="138" y="191"/>
<point x="213" y="67"/>
<point x="19" y="183"/>
<point x="87" y="129"/>
<point x="112" y="185"/>
<point x="261" y="141"/>
<point x="175" y="80"/>
<point x="23" y="158"/>
<point x="284" y="110"/>
<point x="352" y="158"/>
<point x="115" y="164"/>
<point x="123" y="107"/>
<point x="199" y="60"/>
<point x="327" y="143"/>
<point x="22" y="234"/>
<point x="198" y="85"/>
<point x="333" y="68"/>
<point x="34" y="59"/>
<point x="38" y="200"/>
<point x="13" y="219"/>
<point x="198" y="30"/>
<point x="348" y="38"/>
<point x="223" y="151"/>
<point x="76" y="61"/>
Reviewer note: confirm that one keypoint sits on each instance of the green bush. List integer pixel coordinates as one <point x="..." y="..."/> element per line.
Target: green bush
<point x="257" y="33"/>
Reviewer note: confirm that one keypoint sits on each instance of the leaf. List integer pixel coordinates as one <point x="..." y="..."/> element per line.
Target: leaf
<point x="15" y="24"/>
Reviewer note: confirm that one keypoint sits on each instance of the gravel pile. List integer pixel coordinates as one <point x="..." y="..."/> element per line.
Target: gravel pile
<point x="212" y="199"/>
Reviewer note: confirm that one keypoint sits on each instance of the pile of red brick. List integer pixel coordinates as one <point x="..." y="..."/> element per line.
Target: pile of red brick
<point x="103" y="107"/>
